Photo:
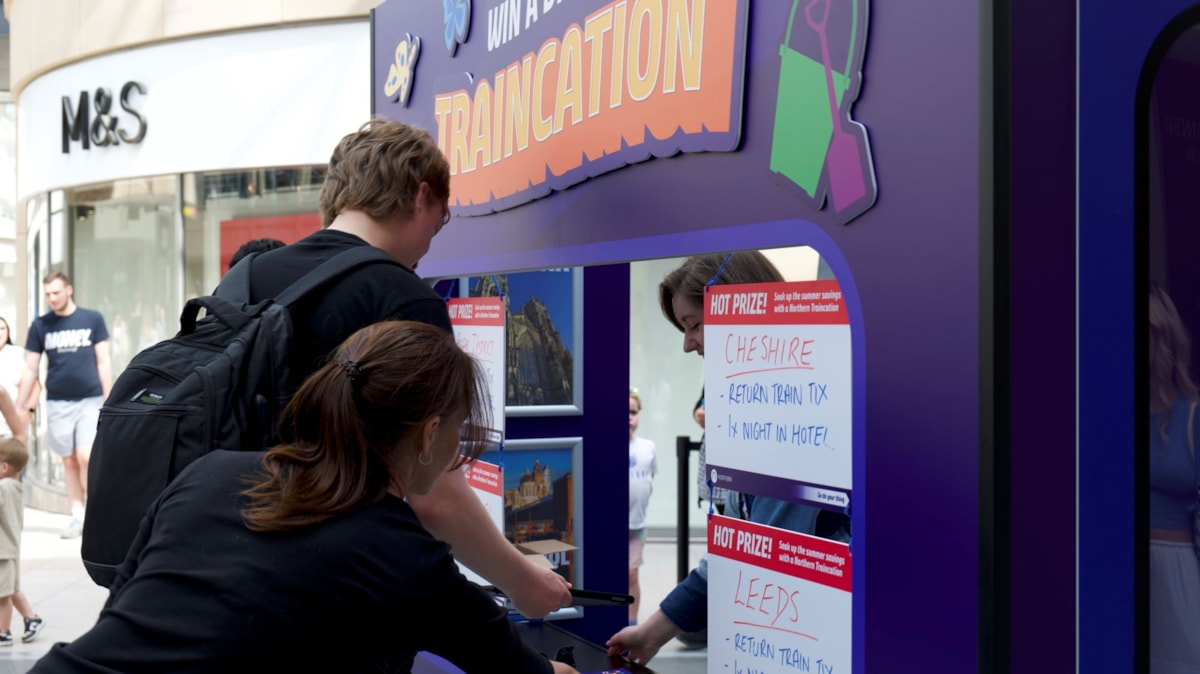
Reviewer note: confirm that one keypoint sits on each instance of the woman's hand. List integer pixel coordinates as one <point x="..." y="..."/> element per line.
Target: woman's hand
<point x="562" y="668"/>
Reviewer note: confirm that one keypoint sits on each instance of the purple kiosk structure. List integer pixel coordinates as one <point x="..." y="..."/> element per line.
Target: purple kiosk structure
<point x="991" y="184"/>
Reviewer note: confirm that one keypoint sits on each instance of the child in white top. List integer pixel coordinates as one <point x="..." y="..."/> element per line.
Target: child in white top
<point x="643" y="466"/>
<point x="13" y="457"/>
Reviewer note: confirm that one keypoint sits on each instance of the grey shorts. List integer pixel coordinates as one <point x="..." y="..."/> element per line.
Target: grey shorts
<point x="72" y="423"/>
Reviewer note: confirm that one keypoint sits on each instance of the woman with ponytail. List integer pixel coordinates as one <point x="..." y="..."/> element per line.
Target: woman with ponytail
<point x="307" y="557"/>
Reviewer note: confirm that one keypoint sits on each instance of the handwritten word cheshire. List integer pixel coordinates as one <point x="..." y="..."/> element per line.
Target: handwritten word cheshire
<point x="792" y="352"/>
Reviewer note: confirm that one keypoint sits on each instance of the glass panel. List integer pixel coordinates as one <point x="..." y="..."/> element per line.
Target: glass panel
<point x="37" y="220"/>
<point x="1174" y="314"/>
<point x="124" y="253"/>
<point x="222" y="211"/>
<point x="670" y="381"/>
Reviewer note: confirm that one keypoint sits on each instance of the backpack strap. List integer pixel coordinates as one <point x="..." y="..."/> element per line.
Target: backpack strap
<point x="342" y="263"/>
<point x="235" y="286"/>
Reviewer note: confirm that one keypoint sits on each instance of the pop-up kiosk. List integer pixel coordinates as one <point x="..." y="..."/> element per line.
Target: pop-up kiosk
<point x="959" y="375"/>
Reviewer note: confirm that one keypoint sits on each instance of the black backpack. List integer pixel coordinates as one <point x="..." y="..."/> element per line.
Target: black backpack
<point x="221" y="383"/>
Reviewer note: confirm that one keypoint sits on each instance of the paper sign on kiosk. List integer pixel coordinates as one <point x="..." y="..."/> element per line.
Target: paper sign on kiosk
<point x="778" y="601"/>
<point x="777" y="391"/>
<point x="478" y="325"/>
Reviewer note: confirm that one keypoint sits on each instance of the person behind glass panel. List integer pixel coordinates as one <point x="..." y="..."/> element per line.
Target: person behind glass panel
<point x="643" y="466"/>
<point x="685" y="609"/>
<point x="254" y="246"/>
<point x="1174" y="435"/>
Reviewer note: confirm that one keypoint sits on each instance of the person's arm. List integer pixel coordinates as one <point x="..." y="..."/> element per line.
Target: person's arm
<point x="685" y="609"/>
<point x="642" y="641"/>
<point x="104" y="366"/>
<point x="33" y="362"/>
<point x="17" y="419"/>
<point x="453" y="513"/>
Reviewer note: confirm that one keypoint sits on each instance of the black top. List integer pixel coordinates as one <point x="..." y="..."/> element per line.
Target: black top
<point x="200" y="592"/>
<point x="367" y="295"/>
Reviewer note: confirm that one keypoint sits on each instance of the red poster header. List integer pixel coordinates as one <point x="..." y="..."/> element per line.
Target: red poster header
<point x="818" y="560"/>
<point x="788" y="303"/>
<point x="476" y="311"/>
<point x="485" y="477"/>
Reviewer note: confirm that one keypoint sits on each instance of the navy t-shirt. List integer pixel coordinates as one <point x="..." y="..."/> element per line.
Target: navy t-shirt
<point x="69" y="344"/>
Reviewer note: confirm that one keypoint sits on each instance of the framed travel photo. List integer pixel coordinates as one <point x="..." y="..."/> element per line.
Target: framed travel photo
<point x="544" y="338"/>
<point x="543" y="499"/>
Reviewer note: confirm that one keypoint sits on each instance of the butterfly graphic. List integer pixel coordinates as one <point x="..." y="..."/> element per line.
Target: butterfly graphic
<point x="458" y="22"/>
<point x="398" y="86"/>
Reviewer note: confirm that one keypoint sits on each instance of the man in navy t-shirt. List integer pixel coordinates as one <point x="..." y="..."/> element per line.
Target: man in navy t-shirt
<point x="78" y="379"/>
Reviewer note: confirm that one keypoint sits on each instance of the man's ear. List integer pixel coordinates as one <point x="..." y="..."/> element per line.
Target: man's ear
<point x="424" y="194"/>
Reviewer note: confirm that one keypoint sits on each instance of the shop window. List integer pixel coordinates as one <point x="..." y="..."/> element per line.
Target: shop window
<point x="124" y="252"/>
<point x="224" y="210"/>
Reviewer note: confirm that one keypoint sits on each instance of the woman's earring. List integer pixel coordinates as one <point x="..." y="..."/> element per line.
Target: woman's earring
<point x="425" y="458"/>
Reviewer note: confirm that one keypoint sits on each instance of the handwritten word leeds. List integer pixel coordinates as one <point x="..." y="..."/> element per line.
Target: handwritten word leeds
<point x="767" y="598"/>
<point x="584" y="103"/>
<point x="788" y="352"/>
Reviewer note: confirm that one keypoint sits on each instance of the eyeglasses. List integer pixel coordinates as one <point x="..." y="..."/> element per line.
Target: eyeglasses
<point x="470" y="434"/>
<point x="474" y="440"/>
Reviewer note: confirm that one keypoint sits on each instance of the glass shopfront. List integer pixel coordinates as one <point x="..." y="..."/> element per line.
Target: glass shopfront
<point x="137" y="249"/>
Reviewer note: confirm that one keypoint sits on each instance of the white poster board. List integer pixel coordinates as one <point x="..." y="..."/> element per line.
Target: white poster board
<point x="487" y="481"/>
<point x="777" y="390"/>
<point x="778" y="601"/>
<point x="478" y="324"/>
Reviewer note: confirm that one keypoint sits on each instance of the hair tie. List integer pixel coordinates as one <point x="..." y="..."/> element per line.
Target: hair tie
<point x="353" y="369"/>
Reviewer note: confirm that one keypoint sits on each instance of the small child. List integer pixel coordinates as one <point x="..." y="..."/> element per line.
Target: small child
<point x="643" y="466"/>
<point x="13" y="457"/>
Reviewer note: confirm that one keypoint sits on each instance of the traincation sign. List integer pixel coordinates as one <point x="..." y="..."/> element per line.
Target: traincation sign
<point x="623" y="81"/>
<point x="777" y="391"/>
<point x="778" y="601"/>
<point x="478" y="324"/>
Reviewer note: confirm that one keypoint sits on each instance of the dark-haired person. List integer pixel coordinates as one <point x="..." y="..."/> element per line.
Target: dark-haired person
<point x="245" y="557"/>
<point x="388" y="185"/>
<point x="253" y="246"/>
<point x="685" y="609"/>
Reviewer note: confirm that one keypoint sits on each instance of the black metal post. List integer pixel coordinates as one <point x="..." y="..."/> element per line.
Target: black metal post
<point x="683" y="449"/>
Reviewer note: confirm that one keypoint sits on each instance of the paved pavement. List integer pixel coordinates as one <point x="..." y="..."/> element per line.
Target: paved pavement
<point x="61" y="592"/>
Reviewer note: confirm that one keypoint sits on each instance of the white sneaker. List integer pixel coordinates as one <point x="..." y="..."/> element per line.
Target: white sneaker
<point x="74" y="529"/>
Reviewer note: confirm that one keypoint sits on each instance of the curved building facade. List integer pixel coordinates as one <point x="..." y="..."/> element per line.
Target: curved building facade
<point x="153" y="140"/>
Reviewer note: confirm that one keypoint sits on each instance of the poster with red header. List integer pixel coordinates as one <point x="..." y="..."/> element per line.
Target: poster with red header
<point x="478" y="324"/>
<point x="778" y="601"/>
<point x="777" y="391"/>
